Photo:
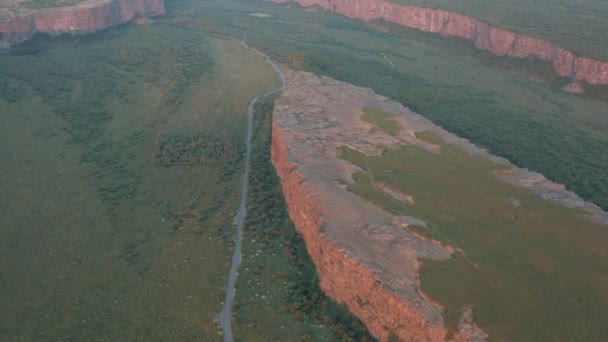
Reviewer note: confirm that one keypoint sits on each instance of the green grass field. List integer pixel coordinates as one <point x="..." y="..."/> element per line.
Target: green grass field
<point x="122" y="156"/>
<point x="579" y="26"/>
<point x="513" y="108"/>
<point x="533" y="270"/>
<point x="99" y="241"/>
<point x="382" y="120"/>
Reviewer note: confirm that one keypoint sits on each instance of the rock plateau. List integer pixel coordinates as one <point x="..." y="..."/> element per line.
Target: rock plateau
<point x="366" y="257"/>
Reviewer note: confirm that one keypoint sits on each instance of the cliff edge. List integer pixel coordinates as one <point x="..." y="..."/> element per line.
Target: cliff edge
<point x="19" y="24"/>
<point x="365" y="256"/>
<point x="368" y="258"/>
<point x="497" y="41"/>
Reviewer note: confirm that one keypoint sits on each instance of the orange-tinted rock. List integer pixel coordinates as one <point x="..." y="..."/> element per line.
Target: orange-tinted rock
<point x="592" y="71"/>
<point x="342" y="277"/>
<point x="459" y="25"/>
<point x="563" y="62"/>
<point x="365" y="257"/>
<point x="86" y="17"/>
<point x="498" y="41"/>
<point x="526" y="47"/>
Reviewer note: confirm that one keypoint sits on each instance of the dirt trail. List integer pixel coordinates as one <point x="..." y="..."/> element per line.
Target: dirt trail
<point x="225" y="316"/>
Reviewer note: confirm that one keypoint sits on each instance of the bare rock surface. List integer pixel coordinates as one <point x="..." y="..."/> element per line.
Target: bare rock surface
<point x="365" y="256"/>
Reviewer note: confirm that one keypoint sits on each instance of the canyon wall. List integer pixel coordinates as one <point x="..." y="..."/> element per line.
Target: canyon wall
<point x="365" y="257"/>
<point x="87" y="17"/>
<point x="497" y="41"/>
<point x="343" y="278"/>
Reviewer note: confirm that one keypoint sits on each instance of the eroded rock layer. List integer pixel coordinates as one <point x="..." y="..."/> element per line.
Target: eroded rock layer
<point x="86" y="17"/>
<point x="366" y="258"/>
<point x="498" y="41"/>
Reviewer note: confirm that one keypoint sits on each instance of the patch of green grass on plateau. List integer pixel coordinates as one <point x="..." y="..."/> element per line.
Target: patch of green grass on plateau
<point x="578" y="26"/>
<point x="381" y="119"/>
<point x="533" y="270"/>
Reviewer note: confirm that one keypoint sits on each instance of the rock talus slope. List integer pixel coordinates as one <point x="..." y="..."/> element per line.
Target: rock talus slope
<point x="86" y="17"/>
<point x="497" y="41"/>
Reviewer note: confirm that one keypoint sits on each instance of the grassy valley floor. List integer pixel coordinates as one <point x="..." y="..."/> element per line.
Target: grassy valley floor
<point x="118" y="213"/>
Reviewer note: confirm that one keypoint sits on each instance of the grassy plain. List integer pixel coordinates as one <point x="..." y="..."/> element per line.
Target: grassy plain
<point x="533" y="270"/>
<point x="578" y="26"/>
<point x="98" y="241"/>
<point x="381" y="119"/>
<point x="122" y="154"/>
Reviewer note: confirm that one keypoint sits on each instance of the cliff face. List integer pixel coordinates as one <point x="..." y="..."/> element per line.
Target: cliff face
<point x="499" y="42"/>
<point x="342" y="277"/>
<point x="364" y="256"/>
<point x="86" y="17"/>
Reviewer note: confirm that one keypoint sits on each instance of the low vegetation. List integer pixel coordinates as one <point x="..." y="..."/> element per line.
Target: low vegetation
<point x="520" y="260"/>
<point x="78" y="85"/>
<point x="198" y="149"/>
<point x="381" y="119"/>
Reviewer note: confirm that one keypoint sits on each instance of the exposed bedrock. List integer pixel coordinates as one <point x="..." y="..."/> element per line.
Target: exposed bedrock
<point x="344" y="278"/>
<point x="86" y="17"/>
<point x="498" y="41"/>
<point x="366" y="258"/>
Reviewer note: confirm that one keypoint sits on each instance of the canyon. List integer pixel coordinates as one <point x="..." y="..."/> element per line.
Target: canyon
<point x="368" y="258"/>
<point x="497" y="41"/>
<point x="19" y="25"/>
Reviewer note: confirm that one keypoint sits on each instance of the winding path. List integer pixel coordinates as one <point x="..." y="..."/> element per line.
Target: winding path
<point x="225" y="315"/>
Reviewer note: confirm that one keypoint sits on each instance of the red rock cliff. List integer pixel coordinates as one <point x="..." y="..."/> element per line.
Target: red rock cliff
<point x="342" y="277"/>
<point x="364" y="256"/>
<point x="89" y="16"/>
<point x="499" y="42"/>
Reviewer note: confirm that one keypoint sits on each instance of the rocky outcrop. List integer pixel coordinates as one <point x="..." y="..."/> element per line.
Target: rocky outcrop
<point x="365" y="257"/>
<point x="86" y="17"/>
<point x="342" y="276"/>
<point x="498" y="41"/>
